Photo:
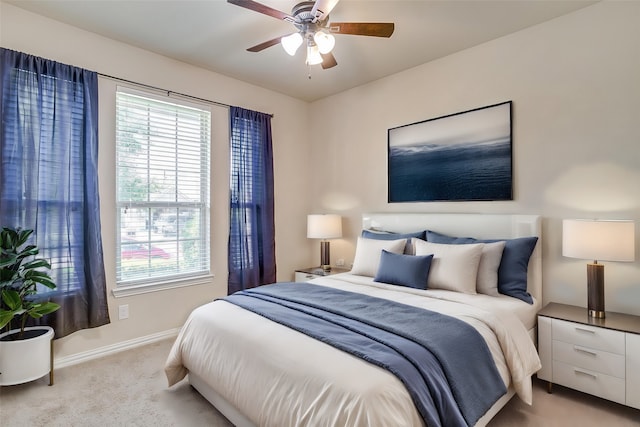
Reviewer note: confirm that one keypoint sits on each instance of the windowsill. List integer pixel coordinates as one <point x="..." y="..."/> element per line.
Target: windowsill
<point x="146" y="288"/>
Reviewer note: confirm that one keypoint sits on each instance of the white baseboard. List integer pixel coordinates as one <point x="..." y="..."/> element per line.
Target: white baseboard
<point x="85" y="356"/>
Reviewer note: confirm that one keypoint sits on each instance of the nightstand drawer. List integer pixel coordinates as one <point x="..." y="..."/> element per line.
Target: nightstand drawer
<point x="589" y="358"/>
<point x="601" y="385"/>
<point x="306" y="274"/>
<point x="596" y="356"/>
<point x="588" y="336"/>
<point x="304" y="277"/>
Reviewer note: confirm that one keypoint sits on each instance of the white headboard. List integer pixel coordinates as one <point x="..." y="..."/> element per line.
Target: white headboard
<point x="480" y="226"/>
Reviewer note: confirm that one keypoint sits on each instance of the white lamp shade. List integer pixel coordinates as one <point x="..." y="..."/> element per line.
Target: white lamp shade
<point x="313" y="55"/>
<point x="325" y="41"/>
<point x="291" y="43"/>
<point x="598" y="240"/>
<point x="324" y="226"/>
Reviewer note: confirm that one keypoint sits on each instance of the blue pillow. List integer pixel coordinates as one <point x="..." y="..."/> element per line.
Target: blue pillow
<point x="404" y="270"/>
<point x="512" y="273"/>
<point x="387" y="235"/>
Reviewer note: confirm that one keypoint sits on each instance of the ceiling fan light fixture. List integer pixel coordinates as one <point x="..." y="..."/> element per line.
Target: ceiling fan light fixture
<point x="313" y="55"/>
<point x="325" y="41"/>
<point x="291" y="43"/>
<point x="311" y="20"/>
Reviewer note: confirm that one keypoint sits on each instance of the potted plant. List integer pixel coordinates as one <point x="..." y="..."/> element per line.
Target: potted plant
<point x="25" y="352"/>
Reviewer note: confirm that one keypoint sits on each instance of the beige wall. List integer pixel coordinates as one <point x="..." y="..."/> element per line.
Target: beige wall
<point x="154" y="313"/>
<point x="575" y="86"/>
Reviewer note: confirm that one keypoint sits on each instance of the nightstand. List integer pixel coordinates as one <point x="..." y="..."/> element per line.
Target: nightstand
<point x="596" y="356"/>
<point x="306" y="274"/>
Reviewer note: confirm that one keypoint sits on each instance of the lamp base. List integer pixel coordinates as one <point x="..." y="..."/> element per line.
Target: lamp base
<point x="325" y="258"/>
<point x="595" y="290"/>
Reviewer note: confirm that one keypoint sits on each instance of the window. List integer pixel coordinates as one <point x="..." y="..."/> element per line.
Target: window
<point x="246" y="189"/>
<point x="43" y="187"/>
<point x="251" y="232"/>
<point x="162" y="173"/>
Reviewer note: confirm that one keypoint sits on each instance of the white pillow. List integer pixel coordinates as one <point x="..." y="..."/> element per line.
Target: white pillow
<point x="487" y="281"/>
<point x="454" y="267"/>
<point x="368" y="252"/>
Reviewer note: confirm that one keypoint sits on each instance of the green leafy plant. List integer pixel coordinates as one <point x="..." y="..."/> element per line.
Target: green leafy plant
<point x="19" y="279"/>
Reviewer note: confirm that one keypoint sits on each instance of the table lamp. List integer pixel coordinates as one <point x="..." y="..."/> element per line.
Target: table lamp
<point x="324" y="227"/>
<point x="599" y="241"/>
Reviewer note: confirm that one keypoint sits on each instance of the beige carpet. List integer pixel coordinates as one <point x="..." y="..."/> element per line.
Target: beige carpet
<point x="129" y="389"/>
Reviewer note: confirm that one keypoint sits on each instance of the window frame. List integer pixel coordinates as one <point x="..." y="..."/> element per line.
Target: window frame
<point x="132" y="286"/>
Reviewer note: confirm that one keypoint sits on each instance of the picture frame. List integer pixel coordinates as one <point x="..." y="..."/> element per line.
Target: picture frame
<point x="465" y="156"/>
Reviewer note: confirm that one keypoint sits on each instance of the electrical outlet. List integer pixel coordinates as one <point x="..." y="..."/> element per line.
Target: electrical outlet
<point x="123" y="311"/>
<point x="340" y="262"/>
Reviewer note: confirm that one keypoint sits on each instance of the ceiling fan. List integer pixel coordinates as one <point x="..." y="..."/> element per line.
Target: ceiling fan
<point x="311" y="19"/>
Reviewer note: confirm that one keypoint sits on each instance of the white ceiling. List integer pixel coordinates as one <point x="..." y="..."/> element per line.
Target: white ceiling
<point x="214" y="34"/>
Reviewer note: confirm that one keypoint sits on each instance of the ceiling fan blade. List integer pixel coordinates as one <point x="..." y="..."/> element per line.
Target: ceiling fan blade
<point x="328" y="60"/>
<point x="264" y="45"/>
<point x="376" y="29"/>
<point x="261" y="8"/>
<point x="322" y="9"/>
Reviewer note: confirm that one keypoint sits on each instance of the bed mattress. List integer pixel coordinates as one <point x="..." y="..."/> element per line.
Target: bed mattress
<point x="276" y="376"/>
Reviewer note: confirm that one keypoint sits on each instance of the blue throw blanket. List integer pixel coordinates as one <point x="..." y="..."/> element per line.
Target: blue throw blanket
<point x="443" y="362"/>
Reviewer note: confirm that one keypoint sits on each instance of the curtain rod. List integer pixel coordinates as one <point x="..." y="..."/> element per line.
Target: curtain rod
<point x="168" y="92"/>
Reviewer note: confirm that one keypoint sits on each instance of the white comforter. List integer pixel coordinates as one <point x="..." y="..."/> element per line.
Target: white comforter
<point x="276" y="376"/>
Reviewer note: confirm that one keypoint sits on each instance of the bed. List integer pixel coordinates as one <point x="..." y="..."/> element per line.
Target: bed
<point x="257" y="371"/>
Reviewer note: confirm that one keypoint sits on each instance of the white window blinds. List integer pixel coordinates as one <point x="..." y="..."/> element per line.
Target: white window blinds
<point x="162" y="169"/>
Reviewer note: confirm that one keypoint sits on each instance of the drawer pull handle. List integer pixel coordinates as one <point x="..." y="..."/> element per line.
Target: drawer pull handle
<point x="584" y="350"/>
<point x="585" y="330"/>
<point x="589" y="374"/>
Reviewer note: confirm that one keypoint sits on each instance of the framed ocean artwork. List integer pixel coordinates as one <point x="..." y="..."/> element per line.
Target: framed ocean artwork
<point x="464" y="156"/>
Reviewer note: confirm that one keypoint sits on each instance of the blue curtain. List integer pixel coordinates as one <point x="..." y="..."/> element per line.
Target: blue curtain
<point x="49" y="180"/>
<point x="252" y="259"/>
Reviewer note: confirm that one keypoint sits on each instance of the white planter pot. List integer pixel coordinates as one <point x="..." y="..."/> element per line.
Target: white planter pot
<point x="25" y="360"/>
